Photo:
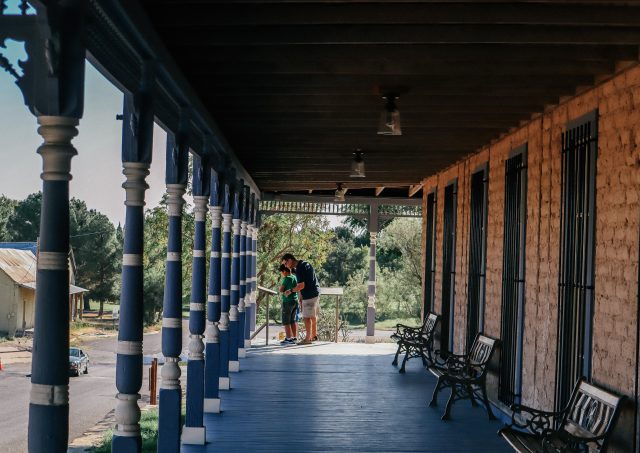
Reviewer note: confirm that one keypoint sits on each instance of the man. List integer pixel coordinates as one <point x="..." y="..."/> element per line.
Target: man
<point x="289" y="306"/>
<point x="309" y="290"/>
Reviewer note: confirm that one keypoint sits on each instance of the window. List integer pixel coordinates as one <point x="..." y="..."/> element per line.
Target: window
<point x="448" y="266"/>
<point x="477" y="254"/>
<point x="513" y="274"/>
<point x="576" y="272"/>
<point x="430" y="256"/>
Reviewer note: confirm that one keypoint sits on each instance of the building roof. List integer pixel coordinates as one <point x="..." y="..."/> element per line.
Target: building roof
<point x="21" y="266"/>
<point x="33" y="246"/>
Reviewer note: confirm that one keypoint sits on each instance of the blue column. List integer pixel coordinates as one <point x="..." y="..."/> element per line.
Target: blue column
<point x="234" y="364"/>
<point x="193" y="432"/>
<point x="254" y="267"/>
<point x="49" y="399"/>
<point x="225" y="276"/>
<point x="137" y="143"/>
<point x="371" y="284"/>
<point x="248" y="298"/>
<point x="212" y="336"/>
<point x="170" y="391"/>
<point x="243" y="288"/>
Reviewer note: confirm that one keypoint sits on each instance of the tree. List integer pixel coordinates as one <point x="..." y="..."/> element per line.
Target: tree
<point x="344" y="259"/>
<point x="7" y="206"/>
<point x="399" y="286"/>
<point x="308" y="237"/>
<point x="23" y="224"/>
<point x="96" y="250"/>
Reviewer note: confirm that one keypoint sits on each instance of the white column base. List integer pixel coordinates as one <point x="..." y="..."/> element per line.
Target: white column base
<point x="193" y="436"/>
<point x="369" y="339"/>
<point x="234" y="366"/>
<point x="247" y="344"/>
<point x="212" y="405"/>
<point x="242" y="353"/>
<point x="223" y="383"/>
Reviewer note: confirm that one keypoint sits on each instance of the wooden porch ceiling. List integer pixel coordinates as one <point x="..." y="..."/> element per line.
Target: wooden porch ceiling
<point x="296" y="85"/>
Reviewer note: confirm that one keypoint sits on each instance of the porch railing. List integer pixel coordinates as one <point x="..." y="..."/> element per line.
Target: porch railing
<point x="265" y="324"/>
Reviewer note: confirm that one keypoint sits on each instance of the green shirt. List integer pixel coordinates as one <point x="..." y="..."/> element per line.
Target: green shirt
<point x="289" y="282"/>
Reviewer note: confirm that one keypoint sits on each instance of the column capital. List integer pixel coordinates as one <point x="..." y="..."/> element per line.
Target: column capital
<point x="200" y="207"/>
<point x="236" y="227"/>
<point x="135" y="185"/>
<point x="57" y="151"/>
<point x="175" y="200"/>
<point x="226" y="222"/>
<point x="373" y="237"/>
<point x="216" y="216"/>
<point x="243" y="228"/>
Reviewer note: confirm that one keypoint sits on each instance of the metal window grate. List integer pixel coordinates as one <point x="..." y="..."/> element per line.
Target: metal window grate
<point x="477" y="255"/>
<point x="513" y="275"/>
<point x="430" y="256"/>
<point x="577" y="244"/>
<point x="448" y="266"/>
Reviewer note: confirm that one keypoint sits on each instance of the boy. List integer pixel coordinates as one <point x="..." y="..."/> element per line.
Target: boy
<point x="289" y="305"/>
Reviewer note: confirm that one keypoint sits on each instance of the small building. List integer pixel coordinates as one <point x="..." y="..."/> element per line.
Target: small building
<point x="18" y="288"/>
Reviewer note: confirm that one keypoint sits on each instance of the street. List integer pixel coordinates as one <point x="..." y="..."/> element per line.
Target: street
<point x="92" y="396"/>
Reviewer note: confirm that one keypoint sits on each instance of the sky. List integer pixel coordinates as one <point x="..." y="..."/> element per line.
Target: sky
<point x="97" y="169"/>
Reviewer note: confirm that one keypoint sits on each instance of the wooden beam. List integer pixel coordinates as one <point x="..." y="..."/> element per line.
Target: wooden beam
<point x="379" y="190"/>
<point x="214" y="14"/>
<point x="431" y="53"/>
<point x="407" y="34"/>
<point x="414" y="189"/>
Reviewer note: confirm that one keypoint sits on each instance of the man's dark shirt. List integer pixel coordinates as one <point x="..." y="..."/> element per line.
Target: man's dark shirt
<point x="307" y="274"/>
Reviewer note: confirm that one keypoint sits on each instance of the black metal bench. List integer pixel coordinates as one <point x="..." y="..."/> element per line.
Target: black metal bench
<point x="415" y="341"/>
<point x="466" y="374"/>
<point x="584" y="425"/>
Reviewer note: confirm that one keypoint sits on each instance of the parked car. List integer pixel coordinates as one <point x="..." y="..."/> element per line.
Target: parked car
<point x="78" y="362"/>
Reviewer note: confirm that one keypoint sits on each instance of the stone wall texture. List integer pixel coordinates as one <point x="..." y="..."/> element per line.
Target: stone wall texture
<point x="615" y="327"/>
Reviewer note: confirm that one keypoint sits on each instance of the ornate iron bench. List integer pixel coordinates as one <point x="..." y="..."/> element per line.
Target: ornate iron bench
<point x="466" y="374"/>
<point x="415" y="341"/>
<point x="584" y="425"/>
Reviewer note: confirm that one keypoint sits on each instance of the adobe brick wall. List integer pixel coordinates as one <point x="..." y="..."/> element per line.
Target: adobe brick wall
<point x="615" y="328"/>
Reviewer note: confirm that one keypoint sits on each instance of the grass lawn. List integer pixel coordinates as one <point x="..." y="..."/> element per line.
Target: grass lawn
<point x="389" y="324"/>
<point x="108" y="307"/>
<point x="148" y="429"/>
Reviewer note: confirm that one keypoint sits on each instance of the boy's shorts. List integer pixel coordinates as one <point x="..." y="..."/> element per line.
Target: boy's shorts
<point x="289" y="312"/>
<point x="310" y="308"/>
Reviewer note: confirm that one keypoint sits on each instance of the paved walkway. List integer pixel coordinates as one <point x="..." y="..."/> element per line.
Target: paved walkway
<point x="344" y="397"/>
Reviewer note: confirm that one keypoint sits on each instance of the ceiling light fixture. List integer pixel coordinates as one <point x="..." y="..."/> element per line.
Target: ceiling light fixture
<point x="390" y="117"/>
<point x="357" y="165"/>
<point x="340" y="193"/>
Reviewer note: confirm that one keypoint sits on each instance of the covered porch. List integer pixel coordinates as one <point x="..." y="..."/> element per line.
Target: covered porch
<point x="340" y="397"/>
<point x="502" y="107"/>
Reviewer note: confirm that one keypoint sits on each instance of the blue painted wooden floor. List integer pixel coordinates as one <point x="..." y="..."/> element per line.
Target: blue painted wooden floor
<point x="340" y="398"/>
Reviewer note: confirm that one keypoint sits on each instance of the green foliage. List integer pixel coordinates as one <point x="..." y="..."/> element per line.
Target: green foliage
<point x="24" y="222"/>
<point x="7" y="206"/>
<point x="155" y="251"/>
<point x="148" y="432"/>
<point x="343" y="261"/>
<point x="96" y="250"/>
<point x="307" y="237"/>
<point x="398" y="270"/>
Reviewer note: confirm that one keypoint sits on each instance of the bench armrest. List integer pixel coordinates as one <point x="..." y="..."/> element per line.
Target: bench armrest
<point x="565" y="442"/>
<point x="403" y="329"/>
<point x="537" y="421"/>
